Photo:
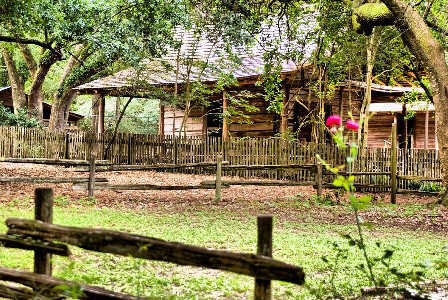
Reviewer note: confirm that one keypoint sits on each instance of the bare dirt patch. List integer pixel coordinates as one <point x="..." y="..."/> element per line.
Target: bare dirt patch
<point x="288" y="203"/>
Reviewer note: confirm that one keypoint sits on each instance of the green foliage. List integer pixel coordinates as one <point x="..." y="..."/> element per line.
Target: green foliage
<point x="425" y="186"/>
<point x="62" y="200"/>
<point x="21" y="119"/>
<point x="141" y="116"/>
<point x="272" y="82"/>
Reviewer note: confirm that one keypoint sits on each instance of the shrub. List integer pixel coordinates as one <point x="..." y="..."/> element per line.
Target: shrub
<point x="21" y="119"/>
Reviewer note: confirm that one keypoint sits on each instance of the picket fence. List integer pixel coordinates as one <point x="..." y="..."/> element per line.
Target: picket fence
<point x="140" y="149"/>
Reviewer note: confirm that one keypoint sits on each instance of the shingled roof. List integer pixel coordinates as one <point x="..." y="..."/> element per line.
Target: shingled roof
<point x="387" y="89"/>
<point x="201" y="48"/>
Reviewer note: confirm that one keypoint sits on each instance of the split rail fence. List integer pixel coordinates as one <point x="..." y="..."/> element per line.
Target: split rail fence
<point x="47" y="239"/>
<point x="263" y="157"/>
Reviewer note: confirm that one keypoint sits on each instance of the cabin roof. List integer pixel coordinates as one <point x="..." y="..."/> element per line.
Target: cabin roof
<point x="203" y="48"/>
<point x="392" y="107"/>
<point x="385" y="88"/>
<point x="157" y="73"/>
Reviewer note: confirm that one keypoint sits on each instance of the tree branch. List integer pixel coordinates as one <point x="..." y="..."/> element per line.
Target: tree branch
<point x="436" y="27"/>
<point x="416" y="71"/>
<point x="29" y="59"/>
<point x="11" y="39"/>
<point x="117" y="124"/>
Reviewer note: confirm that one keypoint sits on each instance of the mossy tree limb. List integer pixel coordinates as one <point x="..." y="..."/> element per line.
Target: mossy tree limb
<point x="416" y="34"/>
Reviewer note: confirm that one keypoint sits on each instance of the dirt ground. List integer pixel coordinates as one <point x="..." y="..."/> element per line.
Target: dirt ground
<point x="288" y="203"/>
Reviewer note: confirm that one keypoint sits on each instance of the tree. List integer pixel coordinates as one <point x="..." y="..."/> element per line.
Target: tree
<point x="417" y="35"/>
<point x="91" y="38"/>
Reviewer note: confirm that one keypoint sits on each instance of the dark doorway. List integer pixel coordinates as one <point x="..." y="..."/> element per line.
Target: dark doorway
<point x="302" y="125"/>
<point x="214" y="118"/>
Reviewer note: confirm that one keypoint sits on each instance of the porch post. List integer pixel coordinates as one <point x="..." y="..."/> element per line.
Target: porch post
<point x="426" y="128"/>
<point x="284" y="113"/>
<point x="204" y="122"/>
<point x="162" y="120"/>
<point x="225" y="122"/>
<point x="174" y="121"/>
<point x="341" y="103"/>
<point x="95" y="111"/>
<point x="101" y="109"/>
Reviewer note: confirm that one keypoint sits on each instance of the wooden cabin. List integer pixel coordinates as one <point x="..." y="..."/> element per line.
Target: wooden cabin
<point x="299" y="102"/>
<point x="415" y="123"/>
<point x="6" y="100"/>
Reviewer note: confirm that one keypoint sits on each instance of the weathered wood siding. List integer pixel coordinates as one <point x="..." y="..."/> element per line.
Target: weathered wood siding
<point x="194" y="126"/>
<point x="420" y="131"/>
<point x="380" y="130"/>
<point x="262" y="122"/>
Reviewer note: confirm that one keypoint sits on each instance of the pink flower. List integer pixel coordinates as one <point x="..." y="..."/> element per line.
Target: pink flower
<point x="352" y="125"/>
<point x="333" y="120"/>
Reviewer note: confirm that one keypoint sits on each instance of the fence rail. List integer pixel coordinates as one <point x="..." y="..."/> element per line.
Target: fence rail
<point x="149" y="150"/>
<point x="45" y="239"/>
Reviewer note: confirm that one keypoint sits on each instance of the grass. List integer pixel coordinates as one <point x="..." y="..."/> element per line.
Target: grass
<point x="295" y="243"/>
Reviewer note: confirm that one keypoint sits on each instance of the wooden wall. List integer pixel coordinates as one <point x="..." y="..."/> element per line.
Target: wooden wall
<point x="266" y="124"/>
<point x="194" y="124"/>
<point x="420" y="131"/>
<point x="380" y="130"/>
<point x="262" y="121"/>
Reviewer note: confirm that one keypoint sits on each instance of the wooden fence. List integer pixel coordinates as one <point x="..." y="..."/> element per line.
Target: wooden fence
<point x="137" y="149"/>
<point x="46" y="239"/>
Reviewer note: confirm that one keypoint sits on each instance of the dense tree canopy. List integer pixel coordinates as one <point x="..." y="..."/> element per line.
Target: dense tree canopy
<point x="86" y="39"/>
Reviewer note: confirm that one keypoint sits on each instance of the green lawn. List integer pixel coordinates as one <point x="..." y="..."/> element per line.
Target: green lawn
<point x="295" y="243"/>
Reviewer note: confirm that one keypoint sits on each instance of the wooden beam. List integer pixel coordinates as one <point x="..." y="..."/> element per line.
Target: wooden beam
<point x="38" y="180"/>
<point x="95" y="112"/>
<point x="14" y="292"/>
<point x="263" y="290"/>
<point x="18" y="242"/>
<point x="284" y="113"/>
<point x="259" y="183"/>
<point x="50" y="161"/>
<point x="132" y="245"/>
<point x="225" y="121"/>
<point x="162" y="120"/>
<point x="204" y="122"/>
<point x="43" y="211"/>
<point x="155" y="167"/>
<point x="101" y="112"/>
<point x="46" y="284"/>
<point x="393" y="165"/>
<point x="426" y="128"/>
<point x="341" y="103"/>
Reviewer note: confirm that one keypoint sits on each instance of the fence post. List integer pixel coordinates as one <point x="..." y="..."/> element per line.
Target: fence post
<point x="67" y="146"/>
<point x="264" y="247"/>
<point x="218" y="180"/>
<point x="91" y="184"/>
<point x="129" y="149"/>
<point x="175" y="150"/>
<point x="393" y="165"/>
<point x="43" y="211"/>
<point x="318" y="178"/>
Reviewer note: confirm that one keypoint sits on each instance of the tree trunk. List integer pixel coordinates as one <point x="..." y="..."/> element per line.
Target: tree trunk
<point x="59" y="110"/>
<point x="18" y="91"/>
<point x="418" y="37"/>
<point x="36" y="98"/>
<point x="363" y="133"/>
